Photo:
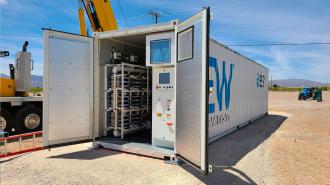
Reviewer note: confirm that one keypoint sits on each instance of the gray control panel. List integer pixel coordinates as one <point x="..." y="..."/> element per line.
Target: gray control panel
<point x="163" y="107"/>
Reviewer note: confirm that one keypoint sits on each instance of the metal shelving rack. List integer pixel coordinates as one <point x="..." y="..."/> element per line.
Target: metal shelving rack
<point x="127" y="98"/>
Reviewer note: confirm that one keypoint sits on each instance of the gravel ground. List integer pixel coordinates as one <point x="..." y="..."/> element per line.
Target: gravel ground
<point x="289" y="146"/>
<point x="300" y="148"/>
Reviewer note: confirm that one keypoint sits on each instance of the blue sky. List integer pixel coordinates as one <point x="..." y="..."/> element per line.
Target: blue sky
<point x="234" y="22"/>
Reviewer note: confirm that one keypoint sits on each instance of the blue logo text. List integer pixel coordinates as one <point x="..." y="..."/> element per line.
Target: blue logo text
<point x="223" y="85"/>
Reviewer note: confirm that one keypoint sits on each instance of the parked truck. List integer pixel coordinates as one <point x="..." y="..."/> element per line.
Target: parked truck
<point x="20" y="110"/>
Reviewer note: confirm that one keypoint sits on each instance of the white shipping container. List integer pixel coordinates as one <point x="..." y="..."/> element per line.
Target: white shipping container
<point x="216" y="89"/>
<point x="239" y="93"/>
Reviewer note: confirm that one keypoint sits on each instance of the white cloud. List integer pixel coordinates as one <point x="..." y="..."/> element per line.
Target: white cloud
<point x="3" y="2"/>
<point x="277" y="22"/>
<point x="304" y="62"/>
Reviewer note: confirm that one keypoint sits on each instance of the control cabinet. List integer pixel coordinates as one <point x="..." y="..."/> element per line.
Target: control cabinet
<point x="160" y="52"/>
<point x="163" y="106"/>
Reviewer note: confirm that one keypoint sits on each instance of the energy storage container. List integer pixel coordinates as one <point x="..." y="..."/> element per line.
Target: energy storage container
<point x="165" y="90"/>
<point x="238" y="90"/>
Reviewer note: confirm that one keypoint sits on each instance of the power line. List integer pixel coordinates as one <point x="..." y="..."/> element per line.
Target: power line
<point x="18" y="35"/>
<point x="122" y="12"/>
<point x="280" y="44"/>
<point x="138" y="18"/>
<point x="235" y="45"/>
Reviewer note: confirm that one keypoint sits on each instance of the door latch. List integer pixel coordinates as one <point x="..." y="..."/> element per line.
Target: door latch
<point x="210" y="168"/>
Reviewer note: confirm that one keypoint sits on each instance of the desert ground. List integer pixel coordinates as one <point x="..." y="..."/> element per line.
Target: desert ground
<point x="291" y="145"/>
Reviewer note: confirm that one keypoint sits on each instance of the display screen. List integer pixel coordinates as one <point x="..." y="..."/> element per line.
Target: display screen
<point x="164" y="78"/>
<point x="160" y="51"/>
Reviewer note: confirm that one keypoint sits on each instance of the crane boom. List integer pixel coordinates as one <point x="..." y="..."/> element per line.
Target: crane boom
<point x="100" y="15"/>
<point x="81" y="17"/>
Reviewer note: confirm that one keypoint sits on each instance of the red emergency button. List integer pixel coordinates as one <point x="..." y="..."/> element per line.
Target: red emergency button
<point x="169" y="124"/>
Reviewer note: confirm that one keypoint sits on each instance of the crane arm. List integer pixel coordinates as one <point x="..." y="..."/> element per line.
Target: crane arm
<point x="81" y="17"/>
<point x="100" y="15"/>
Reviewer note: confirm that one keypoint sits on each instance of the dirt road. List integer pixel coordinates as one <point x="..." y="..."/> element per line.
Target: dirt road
<point x="289" y="146"/>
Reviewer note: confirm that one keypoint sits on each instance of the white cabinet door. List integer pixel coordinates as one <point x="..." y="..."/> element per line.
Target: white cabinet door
<point x="68" y="88"/>
<point x="192" y="41"/>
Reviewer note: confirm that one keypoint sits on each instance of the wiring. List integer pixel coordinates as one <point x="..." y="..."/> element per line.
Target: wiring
<point x="122" y="12"/>
<point x="279" y="44"/>
<point x="17" y="35"/>
<point x="233" y="45"/>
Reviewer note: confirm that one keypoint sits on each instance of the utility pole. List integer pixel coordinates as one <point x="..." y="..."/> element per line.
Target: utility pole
<point x="271" y="81"/>
<point x="155" y="14"/>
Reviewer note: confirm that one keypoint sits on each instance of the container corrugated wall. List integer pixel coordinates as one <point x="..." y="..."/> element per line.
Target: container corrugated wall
<point x="238" y="90"/>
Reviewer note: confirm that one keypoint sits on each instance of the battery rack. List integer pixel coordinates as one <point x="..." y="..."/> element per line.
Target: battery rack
<point x="127" y="98"/>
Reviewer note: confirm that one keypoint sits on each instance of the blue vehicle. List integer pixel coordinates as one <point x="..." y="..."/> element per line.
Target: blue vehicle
<point x="310" y="93"/>
<point x="305" y="94"/>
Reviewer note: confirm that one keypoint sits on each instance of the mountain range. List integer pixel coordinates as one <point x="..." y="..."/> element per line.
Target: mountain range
<point x="298" y="83"/>
<point x="36" y="81"/>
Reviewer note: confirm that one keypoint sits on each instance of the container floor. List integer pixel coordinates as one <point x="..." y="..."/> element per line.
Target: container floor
<point x="137" y="143"/>
<point x="138" y="137"/>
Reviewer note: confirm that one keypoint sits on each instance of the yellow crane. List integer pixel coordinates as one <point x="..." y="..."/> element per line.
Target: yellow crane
<point x="99" y="13"/>
<point x="19" y="111"/>
<point x="22" y="113"/>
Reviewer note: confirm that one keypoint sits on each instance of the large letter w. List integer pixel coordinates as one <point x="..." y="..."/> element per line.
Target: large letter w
<point x="225" y="85"/>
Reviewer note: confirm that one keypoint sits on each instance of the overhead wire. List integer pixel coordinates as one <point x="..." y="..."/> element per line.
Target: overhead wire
<point x="233" y="45"/>
<point x="279" y="44"/>
<point x="122" y="12"/>
<point x="18" y="35"/>
<point x="137" y="18"/>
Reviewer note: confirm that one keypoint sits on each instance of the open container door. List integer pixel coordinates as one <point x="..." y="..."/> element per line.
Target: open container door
<point x="68" y="88"/>
<point x="192" y="41"/>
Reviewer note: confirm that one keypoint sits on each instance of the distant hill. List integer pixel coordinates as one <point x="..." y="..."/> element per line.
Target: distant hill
<point x="36" y="81"/>
<point x="298" y="83"/>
